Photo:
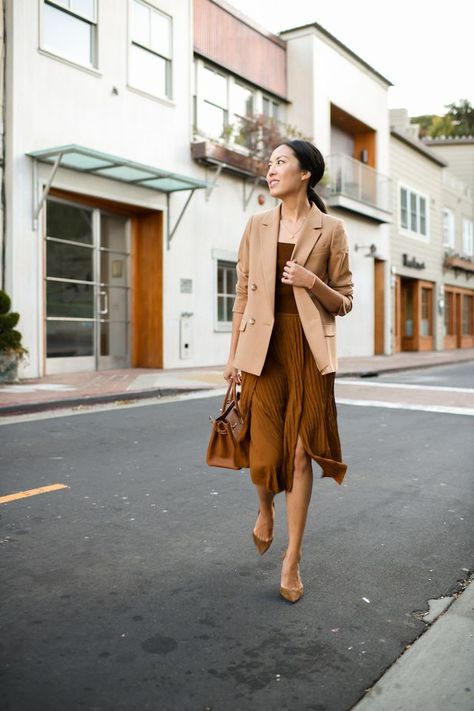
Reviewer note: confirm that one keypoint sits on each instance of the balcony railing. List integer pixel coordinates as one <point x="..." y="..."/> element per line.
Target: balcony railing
<point x="358" y="187"/>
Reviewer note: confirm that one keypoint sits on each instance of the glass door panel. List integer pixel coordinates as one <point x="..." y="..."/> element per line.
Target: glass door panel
<point x="113" y="293"/>
<point x="86" y="289"/>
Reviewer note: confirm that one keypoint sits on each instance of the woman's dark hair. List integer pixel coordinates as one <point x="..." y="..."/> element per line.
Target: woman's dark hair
<point x="309" y="158"/>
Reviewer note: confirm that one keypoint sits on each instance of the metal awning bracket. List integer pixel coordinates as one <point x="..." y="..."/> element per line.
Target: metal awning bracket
<point x="38" y="204"/>
<point x="213" y="184"/>
<point x="248" y="197"/>
<point x="170" y="232"/>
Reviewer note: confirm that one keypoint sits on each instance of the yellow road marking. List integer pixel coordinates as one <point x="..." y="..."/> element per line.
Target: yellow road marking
<point x="32" y="492"/>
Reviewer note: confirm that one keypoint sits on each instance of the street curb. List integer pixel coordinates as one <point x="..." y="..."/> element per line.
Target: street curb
<point x="31" y="407"/>
<point x="397" y="369"/>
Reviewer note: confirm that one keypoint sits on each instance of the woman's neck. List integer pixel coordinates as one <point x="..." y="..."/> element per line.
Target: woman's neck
<point x="294" y="208"/>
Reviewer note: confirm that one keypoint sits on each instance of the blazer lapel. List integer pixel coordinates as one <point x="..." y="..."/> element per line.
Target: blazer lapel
<point x="309" y="236"/>
<point x="268" y="251"/>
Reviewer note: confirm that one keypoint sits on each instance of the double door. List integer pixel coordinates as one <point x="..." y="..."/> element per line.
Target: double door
<point x="87" y="288"/>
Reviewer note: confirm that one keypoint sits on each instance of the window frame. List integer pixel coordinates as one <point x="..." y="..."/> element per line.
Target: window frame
<point x="199" y="99"/>
<point x="419" y="196"/>
<point x="467" y="244"/>
<point x="451" y="242"/>
<point x="220" y="255"/>
<point x="50" y="51"/>
<point x="168" y="96"/>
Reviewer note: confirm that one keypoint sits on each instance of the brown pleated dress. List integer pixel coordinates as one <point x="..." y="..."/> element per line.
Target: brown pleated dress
<point x="289" y="398"/>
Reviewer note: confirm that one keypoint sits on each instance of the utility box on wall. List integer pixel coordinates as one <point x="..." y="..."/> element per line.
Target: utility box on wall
<point x="185" y="335"/>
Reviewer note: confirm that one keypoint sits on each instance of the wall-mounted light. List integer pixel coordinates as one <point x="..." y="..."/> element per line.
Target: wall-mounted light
<point x="371" y="247"/>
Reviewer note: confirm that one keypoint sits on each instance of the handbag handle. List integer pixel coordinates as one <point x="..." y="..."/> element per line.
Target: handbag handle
<point x="230" y="395"/>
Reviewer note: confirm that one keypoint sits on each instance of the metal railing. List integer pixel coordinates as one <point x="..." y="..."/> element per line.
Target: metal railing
<point x="353" y="179"/>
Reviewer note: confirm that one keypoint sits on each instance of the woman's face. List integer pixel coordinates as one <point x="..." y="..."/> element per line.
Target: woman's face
<point x="284" y="175"/>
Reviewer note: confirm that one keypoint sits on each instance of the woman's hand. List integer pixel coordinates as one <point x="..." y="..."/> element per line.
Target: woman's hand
<point x="231" y="374"/>
<point x="296" y="275"/>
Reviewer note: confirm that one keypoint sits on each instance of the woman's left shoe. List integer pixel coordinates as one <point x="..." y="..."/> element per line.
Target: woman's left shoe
<point x="292" y="594"/>
<point x="263" y="544"/>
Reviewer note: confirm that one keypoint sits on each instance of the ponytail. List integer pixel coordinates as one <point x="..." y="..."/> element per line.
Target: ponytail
<point x="313" y="197"/>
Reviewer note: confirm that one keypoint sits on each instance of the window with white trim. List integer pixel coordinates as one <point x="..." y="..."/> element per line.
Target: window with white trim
<point x="213" y="111"/>
<point x="150" y="50"/>
<point x="467" y="237"/>
<point x="413" y="212"/>
<point x="242" y="100"/>
<point x="226" y="284"/>
<point x="69" y="29"/>
<point x="270" y="108"/>
<point x="448" y="228"/>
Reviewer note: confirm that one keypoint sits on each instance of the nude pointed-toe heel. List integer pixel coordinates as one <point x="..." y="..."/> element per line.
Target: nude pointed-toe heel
<point x="263" y="544"/>
<point x="292" y="594"/>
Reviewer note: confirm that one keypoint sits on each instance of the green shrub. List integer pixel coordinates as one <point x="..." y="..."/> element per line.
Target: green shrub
<point x="10" y="339"/>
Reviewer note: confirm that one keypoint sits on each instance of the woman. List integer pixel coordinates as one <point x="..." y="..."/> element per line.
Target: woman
<point x="293" y="278"/>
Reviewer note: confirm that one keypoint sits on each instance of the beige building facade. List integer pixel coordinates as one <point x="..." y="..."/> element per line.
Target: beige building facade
<point x="431" y="247"/>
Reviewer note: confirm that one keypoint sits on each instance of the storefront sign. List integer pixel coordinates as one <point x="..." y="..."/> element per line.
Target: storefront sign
<point x="412" y="262"/>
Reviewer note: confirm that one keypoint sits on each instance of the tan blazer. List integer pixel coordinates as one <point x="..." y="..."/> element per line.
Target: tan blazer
<point x="323" y="249"/>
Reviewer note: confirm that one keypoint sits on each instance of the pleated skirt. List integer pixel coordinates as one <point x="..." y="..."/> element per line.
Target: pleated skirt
<point x="290" y="398"/>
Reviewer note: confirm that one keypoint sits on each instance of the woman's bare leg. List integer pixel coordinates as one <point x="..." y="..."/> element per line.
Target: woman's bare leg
<point x="264" y="526"/>
<point x="297" y="503"/>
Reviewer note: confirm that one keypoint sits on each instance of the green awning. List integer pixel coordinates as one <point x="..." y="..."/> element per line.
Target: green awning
<point x="87" y="160"/>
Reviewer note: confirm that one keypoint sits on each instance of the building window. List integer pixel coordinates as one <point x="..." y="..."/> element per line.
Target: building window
<point x="226" y="284"/>
<point x="448" y="228"/>
<point x="70" y="30"/>
<point x="467" y="323"/>
<point x="213" y="114"/>
<point x="271" y="108"/>
<point x="426" y="311"/>
<point x="467" y="237"/>
<point x="243" y="107"/>
<point x="151" y="50"/>
<point x="413" y="213"/>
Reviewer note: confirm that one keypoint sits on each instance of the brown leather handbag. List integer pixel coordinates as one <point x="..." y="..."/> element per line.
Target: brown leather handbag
<point x="221" y="451"/>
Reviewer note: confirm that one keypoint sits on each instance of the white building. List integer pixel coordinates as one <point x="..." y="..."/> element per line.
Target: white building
<point x="127" y="186"/>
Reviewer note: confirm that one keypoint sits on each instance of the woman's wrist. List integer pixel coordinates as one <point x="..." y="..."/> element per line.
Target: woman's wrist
<point x="311" y="281"/>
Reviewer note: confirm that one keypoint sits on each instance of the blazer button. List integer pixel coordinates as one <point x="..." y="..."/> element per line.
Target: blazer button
<point x="253" y="287"/>
<point x="251" y="321"/>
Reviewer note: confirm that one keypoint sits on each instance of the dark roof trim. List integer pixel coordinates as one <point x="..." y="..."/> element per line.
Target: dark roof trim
<point x="231" y="10"/>
<point x="450" y="141"/>
<point x="348" y="51"/>
<point x="418" y="146"/>
<point x="226" y="68"/>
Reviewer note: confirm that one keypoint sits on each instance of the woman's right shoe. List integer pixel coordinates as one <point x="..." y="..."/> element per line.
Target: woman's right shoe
<point x="263" y="544"/>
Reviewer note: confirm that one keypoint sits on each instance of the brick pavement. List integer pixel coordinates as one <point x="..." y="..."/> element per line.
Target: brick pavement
<point x="69" y="389"/>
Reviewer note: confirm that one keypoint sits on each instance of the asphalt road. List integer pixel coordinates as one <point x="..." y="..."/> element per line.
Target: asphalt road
<point x="139" y="587"/>
<point x="454" y="376"/>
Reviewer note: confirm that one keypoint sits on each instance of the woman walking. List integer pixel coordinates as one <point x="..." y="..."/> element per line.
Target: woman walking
<point x="293" y="278"/>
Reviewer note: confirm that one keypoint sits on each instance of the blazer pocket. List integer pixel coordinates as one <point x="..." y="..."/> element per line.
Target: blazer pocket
<point x="243" y="324"/>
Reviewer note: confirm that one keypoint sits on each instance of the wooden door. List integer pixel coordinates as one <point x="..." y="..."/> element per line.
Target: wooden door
<point x="147" y="291"/>
<point x="379" y="306"/>
<point x="409" y="315"/>
<point x="397" y="316"/>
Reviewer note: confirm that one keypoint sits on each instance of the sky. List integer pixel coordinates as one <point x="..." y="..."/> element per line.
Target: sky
<point x="425" y="50"/>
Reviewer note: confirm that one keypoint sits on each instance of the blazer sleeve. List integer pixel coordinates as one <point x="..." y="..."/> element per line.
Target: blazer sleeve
<point x="242" y="268"/>
<point x="339" y="273"/>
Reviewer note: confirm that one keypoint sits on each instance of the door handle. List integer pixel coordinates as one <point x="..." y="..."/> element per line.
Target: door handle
<point x="105" y="310"/>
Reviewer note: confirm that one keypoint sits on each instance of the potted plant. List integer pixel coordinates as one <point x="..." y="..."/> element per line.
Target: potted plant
<point x="11" y="350"/>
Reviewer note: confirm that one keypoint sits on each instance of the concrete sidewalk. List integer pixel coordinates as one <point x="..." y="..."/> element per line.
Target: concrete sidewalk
<point x="129" y="384"/>
<point x="437" y="671"/>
